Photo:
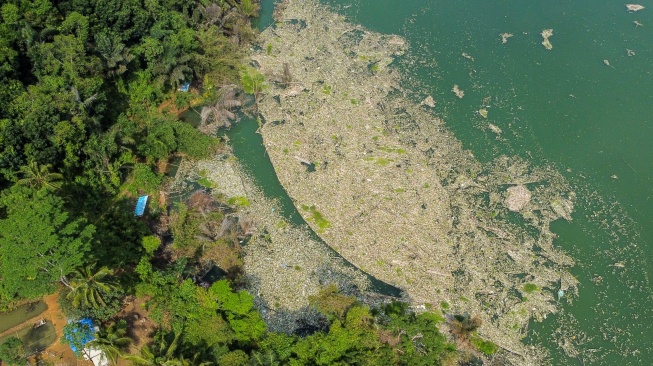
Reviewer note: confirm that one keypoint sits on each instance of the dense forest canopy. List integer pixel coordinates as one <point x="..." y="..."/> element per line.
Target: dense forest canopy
<point x="86" y="93"/>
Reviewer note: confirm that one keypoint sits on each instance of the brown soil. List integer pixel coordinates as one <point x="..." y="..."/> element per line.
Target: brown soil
<point x="58" y="353"/>
<point x="140" y="325"/>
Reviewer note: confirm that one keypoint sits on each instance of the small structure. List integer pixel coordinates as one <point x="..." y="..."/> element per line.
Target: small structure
<point x="185" y="87"/>
<point x="140" y="206"/>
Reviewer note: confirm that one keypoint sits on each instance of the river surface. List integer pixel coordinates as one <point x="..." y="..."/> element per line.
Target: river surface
<point x="585" y="107"/>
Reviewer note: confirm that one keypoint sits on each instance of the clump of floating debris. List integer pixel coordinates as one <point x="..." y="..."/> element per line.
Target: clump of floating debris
<point x="634" y="7"/>
<point x="504" y="37"/>
<point x="546" y="34"/>
<point x="458" y="92"/>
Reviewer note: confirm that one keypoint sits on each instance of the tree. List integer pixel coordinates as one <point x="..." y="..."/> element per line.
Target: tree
<point x="253" y="82"/>
<point x="113" y="340"/>
<point x="40" y="243"/>
<point x="12" y="351"/>
<point x="39" y="176"/>
<point x="161" y="352"/>
<point x="88" y="287"/>
<point x="77" y="335"/>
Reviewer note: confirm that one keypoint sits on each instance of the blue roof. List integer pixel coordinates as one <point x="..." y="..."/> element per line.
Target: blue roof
<point x="83" y="323"/>
<point x="140" y="206"/>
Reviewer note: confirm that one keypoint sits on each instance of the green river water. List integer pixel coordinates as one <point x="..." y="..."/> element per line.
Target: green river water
<point x="585" y="107"/>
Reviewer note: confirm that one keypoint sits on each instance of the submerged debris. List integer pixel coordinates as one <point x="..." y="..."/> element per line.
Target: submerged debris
<point x="467" y="56"/>
<point x="458" y="92"/>
<point x="630" y="52"/>
<point x="634" y="7"/>
<point x="637" y="24"/>
<point x="545" y="35"/>
<point x="504" y="37"/>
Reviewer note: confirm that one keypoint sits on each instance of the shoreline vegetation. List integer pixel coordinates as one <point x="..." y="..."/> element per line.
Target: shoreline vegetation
<point x="394" y="191"/>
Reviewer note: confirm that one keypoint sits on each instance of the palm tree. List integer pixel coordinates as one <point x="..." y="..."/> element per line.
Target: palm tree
<point x="39" y="176"/>
<point x="160" y="353"/>
<point x="113" y="341"/>
<point x="220" y="114"/>
<point x="115" y="54"/>
<point x="167" y="352"/>
<point x="87" y="288"/>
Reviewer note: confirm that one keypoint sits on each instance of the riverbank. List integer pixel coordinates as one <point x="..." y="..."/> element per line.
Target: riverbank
<point x="283" y="262"/>
<point x="394" y="192"/>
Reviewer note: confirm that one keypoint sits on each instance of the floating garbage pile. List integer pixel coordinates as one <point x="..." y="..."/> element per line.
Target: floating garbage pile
<point x="394" y="192"/>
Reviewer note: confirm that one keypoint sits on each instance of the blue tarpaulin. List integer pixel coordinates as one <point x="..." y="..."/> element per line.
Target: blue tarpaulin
<point x="185" y="87"/>
<point x="86" y="329"/>
<point x="140" y="206"/>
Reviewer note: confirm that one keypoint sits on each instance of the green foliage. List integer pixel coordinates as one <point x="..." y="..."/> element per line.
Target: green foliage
<point x="39" y="243"/>
<point x="238" y="201"/>
<point x="76" y="334"/>
<point x="331" y="303"/>
<point x="12" y="350"/>
<point x="113" y="340"/>
<point x="151" y="243"/>
<point x="253" y="81"/>
<point x="143" y="180"/>
<point x="89" y="286"/>
<point x="317" y="218"/>
<point x="530" y="287"/>
<point x="484" y="346"/>
<point x="234" y="358"/>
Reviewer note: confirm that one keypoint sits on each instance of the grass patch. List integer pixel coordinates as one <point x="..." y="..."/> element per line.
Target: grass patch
<point x="484" y="346"/>
<point x="327" y="89"/>
<point x="204" y="181"/>
<point x="444" y="305"/>
<point x="382" y="161"/>
<point x="530" y="287"/>
<point x="317" y="218"/>
<point x="392" y="150"/>
<point x="239" y="201"/>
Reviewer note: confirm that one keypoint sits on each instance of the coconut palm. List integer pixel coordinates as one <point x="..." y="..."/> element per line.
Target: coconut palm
<point x="165" y="351"/>
<point x="220" y="113"/>
<point x="87" y="287"/>
<point x="113" y="341"/>
<point x="39" y="176"/>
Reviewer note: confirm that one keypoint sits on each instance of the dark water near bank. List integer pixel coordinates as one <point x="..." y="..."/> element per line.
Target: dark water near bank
<point x="565" y="107"/>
